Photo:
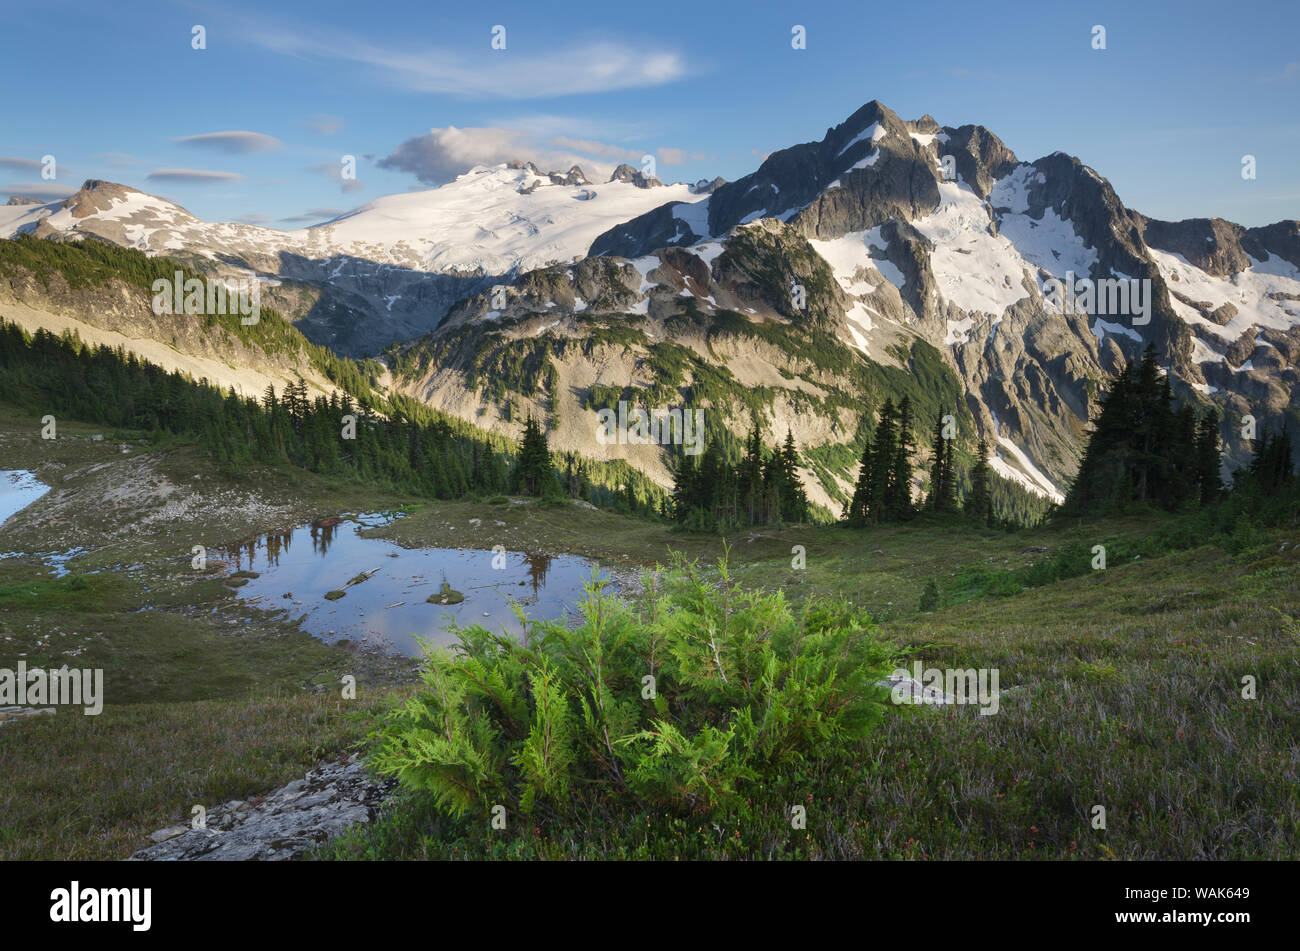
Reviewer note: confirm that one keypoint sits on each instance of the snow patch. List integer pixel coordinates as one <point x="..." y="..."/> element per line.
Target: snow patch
<point x="874" y="132"/>
<point x="1024" y="472"/>
<point x="1102" y="327"/>
<point x="973" y="268"/>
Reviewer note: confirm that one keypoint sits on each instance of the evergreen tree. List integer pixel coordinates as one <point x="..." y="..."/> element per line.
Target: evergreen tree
<point x="943" y="479"/>
<point x="1208" y="462"/>
<point x="533" y="473"/>
<point x="979" y="504"/>
<point x="1272" y="468"/>
<point x="749" y="477"/>
<point x="1143" y="450"/>
<point x="898" y="503"/>
<point x="874" y="490"/>
<point x="856" y="510"/>
<point x="794" y="500"/>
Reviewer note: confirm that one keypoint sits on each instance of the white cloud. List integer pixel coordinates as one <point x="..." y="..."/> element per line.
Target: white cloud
<point x="615" y="153"/>
<point x="594" y="67"/>
<point x="443" y="153"/>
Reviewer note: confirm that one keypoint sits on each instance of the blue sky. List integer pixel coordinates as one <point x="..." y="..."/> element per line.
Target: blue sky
<point x="416" y="92"/>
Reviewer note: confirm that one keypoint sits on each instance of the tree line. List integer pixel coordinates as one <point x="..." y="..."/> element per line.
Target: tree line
<point x="396" y="443"/>
<point x="762" y="488"/>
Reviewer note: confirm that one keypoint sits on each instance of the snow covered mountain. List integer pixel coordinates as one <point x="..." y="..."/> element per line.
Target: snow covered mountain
<point x="891" y="256"/>
<point x="942" y="235"/>
<point x="386" y="271"/>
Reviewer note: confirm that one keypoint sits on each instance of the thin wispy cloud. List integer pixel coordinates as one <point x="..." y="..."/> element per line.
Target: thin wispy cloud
<point x="615" y="153"/>
<point x="595" y="67"/>
<point x="314" y="214"/>
<point x="671" y="156"/>
<point x="232" y="143"/>
<point x="44" y="190"/>
<point x="192" y="176"/>
<point x="324" y="124"/>
<point x="20" y="164"/>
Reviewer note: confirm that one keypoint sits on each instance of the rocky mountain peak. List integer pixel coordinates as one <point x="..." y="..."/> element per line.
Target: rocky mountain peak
<point x="626" y="173"/>
<point x="575" y="176"/>
<point x="97" y="195"/>
<point x="706" y="187"/>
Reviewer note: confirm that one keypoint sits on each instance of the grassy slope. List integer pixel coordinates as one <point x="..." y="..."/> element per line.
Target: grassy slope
<point x="1128" y="682"/>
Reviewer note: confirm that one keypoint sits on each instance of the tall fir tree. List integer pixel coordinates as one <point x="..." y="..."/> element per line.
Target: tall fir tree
<point x="943" y="480"/>
<point x="1208" y="459"/>
<point x="898" y="503"/>
<point x="794" y="500"/>
<point x="533" y="473"/>
<point x="979" y="504"/>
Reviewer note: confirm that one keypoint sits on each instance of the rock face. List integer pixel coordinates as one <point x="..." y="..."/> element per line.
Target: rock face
<point x="283" y="825"/>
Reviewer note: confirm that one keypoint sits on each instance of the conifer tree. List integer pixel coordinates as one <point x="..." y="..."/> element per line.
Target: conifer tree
<point x="856" y="510"/>
<point x="794" y="500"/>
<point x="979" y="505"/>
<point x="943" y="480"/>
<point x="1143" y="450"/>
<point x="899" y="502"/>
<point x="749" y="477"/>
<point x="1207" y="458"/>
<point x="533" y="473"/>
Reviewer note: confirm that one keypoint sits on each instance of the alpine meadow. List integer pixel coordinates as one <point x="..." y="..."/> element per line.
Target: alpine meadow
<point x="496" y="435"/>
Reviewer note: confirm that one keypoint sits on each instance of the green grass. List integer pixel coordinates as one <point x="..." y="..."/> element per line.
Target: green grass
<point x="1127" y="695"/>
<point x="1124" y="684"/>
<point x="93" y="788"/>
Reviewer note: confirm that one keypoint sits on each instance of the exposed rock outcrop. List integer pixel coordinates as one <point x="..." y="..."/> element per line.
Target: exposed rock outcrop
<point x="284" y="824"/>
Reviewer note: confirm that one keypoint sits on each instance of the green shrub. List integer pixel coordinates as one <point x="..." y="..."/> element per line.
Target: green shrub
<point x="930" y="596"/>
<point x="681" y="706"/>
